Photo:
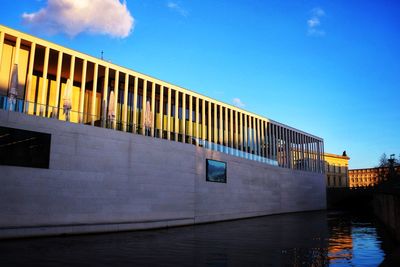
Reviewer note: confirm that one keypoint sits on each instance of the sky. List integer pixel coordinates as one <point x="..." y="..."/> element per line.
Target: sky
<point x="330" y="68"/>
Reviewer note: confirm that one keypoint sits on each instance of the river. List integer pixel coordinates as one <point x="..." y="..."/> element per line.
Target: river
<point x="322" y="238"/>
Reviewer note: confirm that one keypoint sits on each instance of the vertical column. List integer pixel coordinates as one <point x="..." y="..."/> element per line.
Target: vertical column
<point x="245" y="141"/>
<point x="231" y="128"/>
<point x="94" y="93"/>
<point x="203" y="119"/>
<point x="209" y="137"/>
<point x="44" y="83"/>
<point x="105" y="96"/>
<point x="116" y="93"/>
<point x="29" y="75"/>
<point x="184" y="117"/>
<point x="240" y="144"/>
<point x="236" y="145"/>
<point x="125" y="106"/>
<point x="58" y="82"/>
<point x="197" y="120"/>
<point x="153" y="107"/>
<point x="144" y="104"/>
<point x="225" y="141"/>
<point x="273" y="141"/>
<point x="82" y="92"/>
<point x="176" y="115"/>
<point x="168" y="114"/>
<point x="221" y="126"/>
<point x="215" y="108"/>
<point x="263" y="143"/>
<point x="259" y="147"/>
<point x="190" y="123"/>
<point x="72" y="72"/>
<point x="1" y="45"/>
<point x="134" y="104"/>
<point x="160" y="134"/>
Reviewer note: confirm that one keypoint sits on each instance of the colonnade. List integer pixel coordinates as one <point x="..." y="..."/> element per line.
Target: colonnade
<point x="175" y="113"/>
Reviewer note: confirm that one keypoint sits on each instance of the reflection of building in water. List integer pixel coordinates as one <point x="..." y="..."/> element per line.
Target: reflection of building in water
<point x="369" y="176"/>
<point x="340" y="245"/>
<point x="336" y="170"/>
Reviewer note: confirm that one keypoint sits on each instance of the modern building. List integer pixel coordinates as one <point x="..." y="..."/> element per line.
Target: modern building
<point x="337" y="170"/>
<point x="84" y="126"/>
<point x="369" y="176"/>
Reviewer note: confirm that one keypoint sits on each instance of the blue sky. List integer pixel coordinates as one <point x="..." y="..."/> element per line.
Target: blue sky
<point x="330" y="68"/>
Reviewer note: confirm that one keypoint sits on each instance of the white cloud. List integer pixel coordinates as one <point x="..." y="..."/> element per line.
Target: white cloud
<point x="314" y="22"/>
<point x="176" y="7"/>
<point x="110" y="17"/>
<point x="237" y="102"/>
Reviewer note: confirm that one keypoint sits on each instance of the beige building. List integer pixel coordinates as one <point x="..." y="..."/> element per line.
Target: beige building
<point x="337" y="170"/>
<point x="369" y="176"/>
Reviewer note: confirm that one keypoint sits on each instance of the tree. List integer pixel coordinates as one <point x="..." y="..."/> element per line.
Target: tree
<point x="383" y="161"/>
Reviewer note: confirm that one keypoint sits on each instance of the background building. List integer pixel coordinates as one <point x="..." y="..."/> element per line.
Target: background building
<point x="369" y="176"/>
<point x="336" y="170"/>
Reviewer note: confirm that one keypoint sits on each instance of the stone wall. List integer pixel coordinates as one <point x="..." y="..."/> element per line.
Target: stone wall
<point x="387" y="209"/>
<point x="105" y="180"/>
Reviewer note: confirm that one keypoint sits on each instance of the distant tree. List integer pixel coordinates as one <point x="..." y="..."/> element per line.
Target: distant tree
<point x="383" y="161"/>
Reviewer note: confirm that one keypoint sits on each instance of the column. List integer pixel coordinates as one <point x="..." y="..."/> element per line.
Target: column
<point x="160" y="134"/>
<point x="231" y="128"/>
<point x="58" y="82"/>
<point x="273" y="141"/>
<point x="176" y="115"/>
<point x="168" y="114"/>
<point x="125" y="106"/>
<point x="17" y="49"/>
<point x="221" y="126"/>
<point x="190" y="124"/>
<point x="105" y="96"/>
<point x="153" y="107"/>
<point x="94" y="93"/>
<point x="72" y="74"/>
<point x="203" y="119"/>
<point x="215" y="107"/>
<point x="245" y="141"/>
<point x="82" y="92"/>
<point x="44" y="83"/>
<point x="116" y="92"/>
<point x="1" y="45"/>
<point x="259" y="146"/>
<point x="240" y="144"/>
<point x="134" y="105"/>
<point x="263" y="143"/>
<point x="225" y="141"/>
<point x="144" y="103"/>
<point x="29" y="74"/>
<point x="183" y="118"/>
<point x="198" y="120"/>
<point x="209" y="136"/>
<point x="236" y="145"/>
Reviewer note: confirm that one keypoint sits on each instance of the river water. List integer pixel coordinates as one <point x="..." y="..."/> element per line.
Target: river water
<point x="301" y="239"/>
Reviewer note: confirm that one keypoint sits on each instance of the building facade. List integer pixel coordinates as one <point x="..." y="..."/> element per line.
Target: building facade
<point x="89" y="146"/>
<point x="141" y="104"/>
<point x="337" y="170"/>
<point x="369" y="176"/>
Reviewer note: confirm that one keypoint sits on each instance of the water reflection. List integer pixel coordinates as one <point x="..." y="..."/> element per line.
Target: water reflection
<point x="301" y="239"/>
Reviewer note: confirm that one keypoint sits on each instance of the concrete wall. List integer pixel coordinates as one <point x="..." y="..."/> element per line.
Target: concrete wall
<point x="387" y="209"/>
<point x="105" y="180"/>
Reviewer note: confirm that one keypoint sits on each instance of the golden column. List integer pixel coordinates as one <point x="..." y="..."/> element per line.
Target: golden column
<point x="44" y="82"/>
<point x="144" y="100"/>
<point x="176" y="117"/>
<point x="58" y="82"/>
<point x="116" y="93"/>
<point x="161" y="107"/>
<point x="190" y="123"/>
<point x="134" y="104"/>
<point x="94" y="93"/>
<point x="125" y="106"/>
<point x="1" y="45"/>
<point x="183" y="118"/>
<point x="168" y="114"/>
<point x="82" y="93"/>
<point x="105" y="96"/>
<point x="153" y="105"/>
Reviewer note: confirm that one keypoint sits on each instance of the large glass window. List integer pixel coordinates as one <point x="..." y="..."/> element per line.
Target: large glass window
<point x="216" y="171"/>
<point x="24" y="148"/>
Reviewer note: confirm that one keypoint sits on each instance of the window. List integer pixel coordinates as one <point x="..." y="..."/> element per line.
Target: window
<point x="24" y="148"/>
<point x="215" y="171"/>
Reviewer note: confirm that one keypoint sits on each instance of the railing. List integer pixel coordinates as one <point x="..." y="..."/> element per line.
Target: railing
<point x="36" y="109"/>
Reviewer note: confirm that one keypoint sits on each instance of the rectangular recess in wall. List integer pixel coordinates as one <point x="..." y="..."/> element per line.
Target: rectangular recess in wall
<point x="215" y="171"/>
<point x="24" y="148"/>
